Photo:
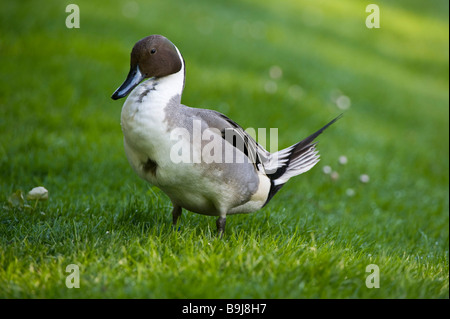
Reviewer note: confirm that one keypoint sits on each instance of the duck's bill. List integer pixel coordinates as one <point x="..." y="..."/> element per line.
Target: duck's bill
<point x="133" y="79"/>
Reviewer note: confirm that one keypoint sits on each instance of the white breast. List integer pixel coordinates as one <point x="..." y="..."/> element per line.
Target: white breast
<point x="143" y="122"/>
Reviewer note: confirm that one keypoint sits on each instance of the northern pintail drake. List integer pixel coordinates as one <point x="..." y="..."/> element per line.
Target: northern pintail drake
<point x="161" y="139"/>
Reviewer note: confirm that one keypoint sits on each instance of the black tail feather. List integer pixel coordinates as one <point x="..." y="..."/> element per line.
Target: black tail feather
<point x="306" y="143"/>
<point x="298" y="149"/>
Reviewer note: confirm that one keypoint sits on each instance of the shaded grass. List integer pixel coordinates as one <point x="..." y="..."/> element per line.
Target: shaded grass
<point x="60" y="129"/>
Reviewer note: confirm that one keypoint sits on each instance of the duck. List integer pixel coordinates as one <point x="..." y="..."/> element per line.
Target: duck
<point x="224" y="172"/>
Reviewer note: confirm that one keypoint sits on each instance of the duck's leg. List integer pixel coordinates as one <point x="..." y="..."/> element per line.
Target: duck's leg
<point x="220" y="223"/>
<point x="176" y="213"/>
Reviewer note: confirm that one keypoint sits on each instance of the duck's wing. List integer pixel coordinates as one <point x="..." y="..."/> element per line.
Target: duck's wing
<point x="234" y="134"/>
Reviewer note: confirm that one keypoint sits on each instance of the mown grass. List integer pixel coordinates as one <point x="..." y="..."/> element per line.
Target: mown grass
<point x="60" y="129"/>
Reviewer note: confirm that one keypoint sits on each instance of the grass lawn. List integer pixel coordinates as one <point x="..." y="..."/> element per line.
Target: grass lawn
<point x="292" y="65"/>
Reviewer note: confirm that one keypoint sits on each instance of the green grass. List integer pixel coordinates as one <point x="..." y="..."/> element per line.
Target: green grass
<point x="60" y="129"/>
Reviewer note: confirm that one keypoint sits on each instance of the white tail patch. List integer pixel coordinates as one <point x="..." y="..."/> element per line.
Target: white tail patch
<point x="298" y="165"/>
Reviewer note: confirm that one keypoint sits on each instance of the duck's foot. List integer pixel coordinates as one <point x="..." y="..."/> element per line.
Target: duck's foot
<point x="220" y="223"/>
<point x="176" y="214"/>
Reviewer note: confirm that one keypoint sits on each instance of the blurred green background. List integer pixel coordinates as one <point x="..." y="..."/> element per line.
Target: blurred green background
<point x="291" y="65"/>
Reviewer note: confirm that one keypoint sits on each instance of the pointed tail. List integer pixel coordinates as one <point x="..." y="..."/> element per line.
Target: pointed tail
<point x="292" y="161"/>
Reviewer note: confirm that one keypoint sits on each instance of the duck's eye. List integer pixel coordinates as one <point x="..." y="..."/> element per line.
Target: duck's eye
<point x="153" y="51"/>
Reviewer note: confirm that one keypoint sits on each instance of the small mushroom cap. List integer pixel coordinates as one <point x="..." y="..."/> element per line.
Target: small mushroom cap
<point x="38" y="193"/>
